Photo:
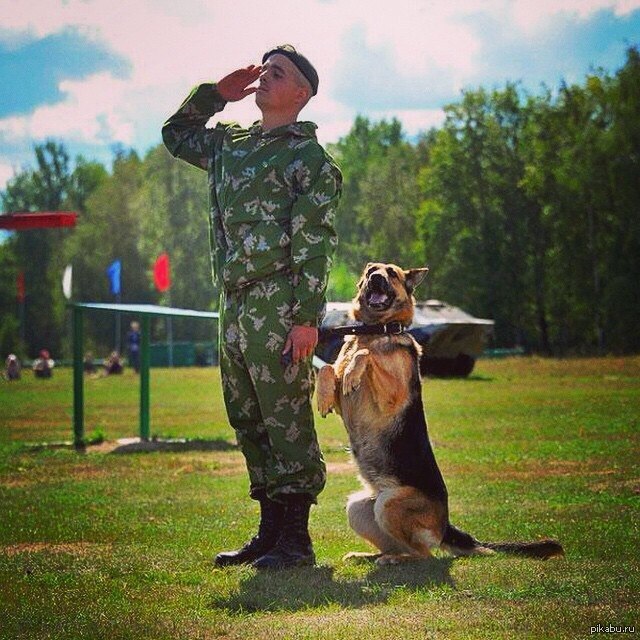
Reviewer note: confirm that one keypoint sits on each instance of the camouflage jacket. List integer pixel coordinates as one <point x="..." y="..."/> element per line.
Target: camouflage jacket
<point x="273" y="199"/>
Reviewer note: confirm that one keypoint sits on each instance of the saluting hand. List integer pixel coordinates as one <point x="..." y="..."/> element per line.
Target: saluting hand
<point x="235" y="86"/>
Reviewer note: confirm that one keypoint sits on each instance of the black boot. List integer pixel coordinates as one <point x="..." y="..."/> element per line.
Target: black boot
<point x="293" y="548"/>
<point x="271" y="522"/>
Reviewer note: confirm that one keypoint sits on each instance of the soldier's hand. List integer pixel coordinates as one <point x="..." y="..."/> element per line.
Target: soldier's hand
<point x="235" y="86"/>
<point x="301" y="342"/>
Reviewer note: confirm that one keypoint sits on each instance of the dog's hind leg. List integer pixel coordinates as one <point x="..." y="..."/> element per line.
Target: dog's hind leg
<point x="413" y="520"/>
<point x="360" y="513"/>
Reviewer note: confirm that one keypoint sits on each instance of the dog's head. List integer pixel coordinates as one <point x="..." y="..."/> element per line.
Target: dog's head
<point x="385" y="294"/>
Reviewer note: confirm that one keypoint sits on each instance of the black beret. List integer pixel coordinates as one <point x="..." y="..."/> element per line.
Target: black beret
<point x="303" y="65"/>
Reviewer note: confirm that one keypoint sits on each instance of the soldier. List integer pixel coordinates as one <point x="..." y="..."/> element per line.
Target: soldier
<point x="273" y="198"/>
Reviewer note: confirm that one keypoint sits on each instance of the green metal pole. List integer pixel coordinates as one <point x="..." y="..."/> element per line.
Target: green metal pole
<point x="78" y="378"/>
<point x="145" y="358"/>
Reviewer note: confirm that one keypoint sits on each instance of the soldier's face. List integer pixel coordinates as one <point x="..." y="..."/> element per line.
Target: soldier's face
<point x="279" y="88"/>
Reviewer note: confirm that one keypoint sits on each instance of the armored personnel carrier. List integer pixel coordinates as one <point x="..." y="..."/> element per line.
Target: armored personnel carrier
<point x="451" y="339"/>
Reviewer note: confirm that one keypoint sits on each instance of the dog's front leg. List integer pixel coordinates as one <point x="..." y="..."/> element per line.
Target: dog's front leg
<point x="354" y="371"/>
<point x="326" y="390"/>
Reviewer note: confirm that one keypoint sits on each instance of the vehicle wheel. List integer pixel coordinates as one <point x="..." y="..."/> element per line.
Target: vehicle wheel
<point x="462" y="365"/>
<point x="459" y="367"/>
<point x="438" y="367"/>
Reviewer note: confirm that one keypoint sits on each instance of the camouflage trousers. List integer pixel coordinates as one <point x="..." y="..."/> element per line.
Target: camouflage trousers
<point x="268" y="404"/>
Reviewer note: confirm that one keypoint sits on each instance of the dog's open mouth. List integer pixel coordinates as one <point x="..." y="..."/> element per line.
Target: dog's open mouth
<point x="378" y="300"/>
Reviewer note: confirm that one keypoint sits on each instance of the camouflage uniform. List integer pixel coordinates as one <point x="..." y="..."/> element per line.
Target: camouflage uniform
<point x="273" y="197"/>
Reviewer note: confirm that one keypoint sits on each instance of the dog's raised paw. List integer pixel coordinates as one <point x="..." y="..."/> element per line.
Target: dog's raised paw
<point x="354" y="372"/>
<point x="326" y="390"/>
<point x="351" y="383"/>
<point x="325" y="406"/>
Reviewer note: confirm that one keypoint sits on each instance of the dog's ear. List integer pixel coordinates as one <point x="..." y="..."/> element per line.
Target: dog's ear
<point x="413" y="277"/>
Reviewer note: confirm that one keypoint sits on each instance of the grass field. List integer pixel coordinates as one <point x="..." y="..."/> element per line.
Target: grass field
<point x="114" y="545"/>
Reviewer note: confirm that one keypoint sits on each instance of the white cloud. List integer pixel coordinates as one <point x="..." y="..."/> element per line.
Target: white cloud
<point x="171" y="46"/>
<point x="529" y="15"/>
<point x="89" y="113"/>
<point x="421" y="34"/>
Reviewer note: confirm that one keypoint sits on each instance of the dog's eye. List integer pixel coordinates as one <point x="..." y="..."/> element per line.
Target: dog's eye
<point x="392" y="273"/>
<point x="370" y="271"/>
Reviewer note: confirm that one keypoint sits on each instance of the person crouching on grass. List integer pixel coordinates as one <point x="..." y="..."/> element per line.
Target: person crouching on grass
<point x="273" y="197"/>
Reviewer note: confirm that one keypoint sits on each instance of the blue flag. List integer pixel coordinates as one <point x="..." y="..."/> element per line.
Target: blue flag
<point x="113" y="272"/>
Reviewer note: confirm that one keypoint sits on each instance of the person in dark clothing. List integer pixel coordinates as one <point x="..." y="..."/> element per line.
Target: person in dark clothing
<point x="133" y="346"/>
<point x="43" y="365"/>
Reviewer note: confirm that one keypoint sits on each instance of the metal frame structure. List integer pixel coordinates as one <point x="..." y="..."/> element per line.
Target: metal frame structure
<point x="145" y="312"/>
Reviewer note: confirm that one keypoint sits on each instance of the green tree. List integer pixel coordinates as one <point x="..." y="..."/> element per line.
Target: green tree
<point x="365" y="146"/>
<point x="582" y="169"/>
<point x="172" y="205"/>
<point x="475" y="216"/>
<point x="386" y="211"/>
<point x="41" y="189"/>
<point x="108" y="230"/>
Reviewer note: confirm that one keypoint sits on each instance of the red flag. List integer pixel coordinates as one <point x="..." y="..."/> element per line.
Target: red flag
<point x="20" y="291"/>
<point x="161" y="272"/>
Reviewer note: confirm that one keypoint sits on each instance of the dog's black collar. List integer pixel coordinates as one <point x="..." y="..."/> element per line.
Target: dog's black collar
<point x="388" y="329"/>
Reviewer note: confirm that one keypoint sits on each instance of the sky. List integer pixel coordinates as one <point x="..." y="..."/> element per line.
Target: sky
<point x="98" y="75"/>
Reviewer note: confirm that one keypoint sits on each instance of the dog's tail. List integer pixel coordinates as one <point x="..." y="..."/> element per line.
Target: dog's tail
<point x="460" y="543"/>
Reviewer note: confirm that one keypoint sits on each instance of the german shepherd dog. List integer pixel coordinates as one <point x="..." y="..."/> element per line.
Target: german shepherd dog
<point x="375" y="386"/>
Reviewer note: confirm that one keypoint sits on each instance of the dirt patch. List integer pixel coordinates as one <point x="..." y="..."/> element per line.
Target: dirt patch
<point x="76" y="549"/>
<point x="341" y="468"/>
<point x="631" y="485"/>
<point x="50" y="475"/>
<point x="541" y="469"/>
<point x="136" y="445"/>
<point x="528" y="470"/>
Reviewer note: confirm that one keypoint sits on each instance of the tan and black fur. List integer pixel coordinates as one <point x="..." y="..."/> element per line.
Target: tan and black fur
<point x="375" y="386"/>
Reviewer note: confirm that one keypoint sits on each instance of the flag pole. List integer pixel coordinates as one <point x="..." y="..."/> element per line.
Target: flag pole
<point x="170" y="330"/>
<point x="114" y="275"/>
<point x="67" y="291"/>
<point x="162" y="280"/>
<point x="118" y="326"/>
<point x="21" y="296"/>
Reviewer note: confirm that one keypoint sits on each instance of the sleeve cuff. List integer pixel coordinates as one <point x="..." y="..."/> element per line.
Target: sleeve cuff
<point x="207" y="99"/>
<point x="306" y="319"/>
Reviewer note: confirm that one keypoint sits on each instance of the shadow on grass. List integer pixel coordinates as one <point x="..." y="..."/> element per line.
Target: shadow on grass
<point x="296" y="589"/>
<point x="475" y="377"/>
<point x="136" y="445"/>
<point x="479" y="377"/>
<point x="173" y="446"/>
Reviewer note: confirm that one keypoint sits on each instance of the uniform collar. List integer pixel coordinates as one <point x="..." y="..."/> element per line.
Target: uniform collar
<point x="299" y="129"/>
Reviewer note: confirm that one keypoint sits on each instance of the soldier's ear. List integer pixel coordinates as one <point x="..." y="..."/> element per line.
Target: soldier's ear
<point x="413" y="277"/>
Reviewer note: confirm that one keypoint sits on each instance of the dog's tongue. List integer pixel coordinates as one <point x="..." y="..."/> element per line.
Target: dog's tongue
<point x="378" y="298"/>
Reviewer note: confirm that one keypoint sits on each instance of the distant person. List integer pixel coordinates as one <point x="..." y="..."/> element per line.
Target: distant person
<point x="133" y="346"/>
<point x="43" y="365"/>
<point x="113" y="364"/>
<point x="13" y="368"/>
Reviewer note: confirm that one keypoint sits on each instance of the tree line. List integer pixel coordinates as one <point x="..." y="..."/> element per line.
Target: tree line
<point x="525" y="207"/>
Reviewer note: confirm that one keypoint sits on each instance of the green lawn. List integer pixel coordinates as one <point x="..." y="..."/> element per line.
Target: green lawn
<point x="119" y="545"/>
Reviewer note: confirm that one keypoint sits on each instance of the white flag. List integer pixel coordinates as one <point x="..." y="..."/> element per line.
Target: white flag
<point x="66" y="281"/>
